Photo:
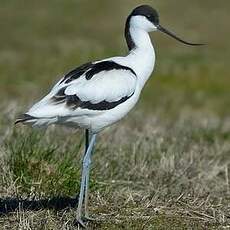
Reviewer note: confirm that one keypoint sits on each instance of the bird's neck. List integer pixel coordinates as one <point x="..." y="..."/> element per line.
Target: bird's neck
<point x="141" y="53"/>
<point x="139" y="39"/>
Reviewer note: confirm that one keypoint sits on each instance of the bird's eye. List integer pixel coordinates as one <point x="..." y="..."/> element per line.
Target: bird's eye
<point x="149" y="17"/>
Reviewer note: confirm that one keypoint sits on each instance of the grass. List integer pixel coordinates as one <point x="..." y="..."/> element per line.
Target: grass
<point x="169" y="170"/>
<point x="172" y="175"/>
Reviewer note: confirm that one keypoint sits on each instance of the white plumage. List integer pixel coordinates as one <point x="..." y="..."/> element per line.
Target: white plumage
<point x="110" y="86"/>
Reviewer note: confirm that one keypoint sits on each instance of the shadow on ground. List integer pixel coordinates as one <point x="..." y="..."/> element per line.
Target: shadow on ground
<point x="9" y="205"/>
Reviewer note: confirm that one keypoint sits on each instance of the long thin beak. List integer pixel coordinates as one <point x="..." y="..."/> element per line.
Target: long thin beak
<point x="162" y="29"/>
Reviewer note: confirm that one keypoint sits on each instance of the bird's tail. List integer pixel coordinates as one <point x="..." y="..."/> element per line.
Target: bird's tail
<point x="25" y="118"/>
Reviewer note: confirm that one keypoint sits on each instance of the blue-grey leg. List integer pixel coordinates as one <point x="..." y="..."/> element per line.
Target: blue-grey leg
<point x="87" y="184"/>
<point x="85" y="169"/>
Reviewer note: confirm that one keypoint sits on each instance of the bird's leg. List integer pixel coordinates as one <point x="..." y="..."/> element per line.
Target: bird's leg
<point x="85" y="169"/>
<point x="87" y="182"/>
<point x="87" y="139"/>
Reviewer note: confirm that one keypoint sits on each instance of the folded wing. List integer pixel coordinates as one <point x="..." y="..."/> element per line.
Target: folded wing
<point x="89" y="89"/>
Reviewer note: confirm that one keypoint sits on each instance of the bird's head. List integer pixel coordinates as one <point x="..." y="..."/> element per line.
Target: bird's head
<point x="147" y="18"/>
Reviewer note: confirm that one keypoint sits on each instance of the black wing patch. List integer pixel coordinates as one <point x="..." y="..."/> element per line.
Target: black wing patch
<point x="74" y="102"/>
<point x="90" y="69"/>
<point x="76" y="73"/>
<point x="105" y="66"/>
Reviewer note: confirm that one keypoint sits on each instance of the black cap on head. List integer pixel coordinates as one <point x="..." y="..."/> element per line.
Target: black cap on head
<point x="147" y="11"/>
<point x="151" y="15"/>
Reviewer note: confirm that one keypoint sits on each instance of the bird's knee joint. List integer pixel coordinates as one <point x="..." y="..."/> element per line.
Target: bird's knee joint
<point x="86" y="162"/>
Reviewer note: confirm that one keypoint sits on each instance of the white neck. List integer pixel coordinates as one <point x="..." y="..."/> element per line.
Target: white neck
<point x="140" y="38"/>
<point x="142" y="56"/>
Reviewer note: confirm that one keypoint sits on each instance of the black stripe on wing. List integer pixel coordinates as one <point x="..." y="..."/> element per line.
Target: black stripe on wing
<point x="74" y="102"/>
<point x="105" y="66"/>
<point x="90" y="69"/>
<point x="76" y="73"/>
<point x="24" y="118"/>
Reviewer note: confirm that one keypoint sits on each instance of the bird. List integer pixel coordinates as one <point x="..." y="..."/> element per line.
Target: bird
<point x="98" y="94"/>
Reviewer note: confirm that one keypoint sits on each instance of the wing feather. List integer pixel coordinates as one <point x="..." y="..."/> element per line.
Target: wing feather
<point x="75" y="94"/>
<point x="110" y="86"/>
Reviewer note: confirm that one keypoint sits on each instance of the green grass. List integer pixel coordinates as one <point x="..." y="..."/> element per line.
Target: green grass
<point x="38" y="164"/>
<point x="169" y="170"/>
<point x="173" y="175"/>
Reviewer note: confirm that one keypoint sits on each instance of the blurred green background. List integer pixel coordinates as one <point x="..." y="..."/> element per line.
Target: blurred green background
<point x="42" y="40"/>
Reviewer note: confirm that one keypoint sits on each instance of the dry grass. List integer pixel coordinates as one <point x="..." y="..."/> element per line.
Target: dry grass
<point x="172" y="174"/>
